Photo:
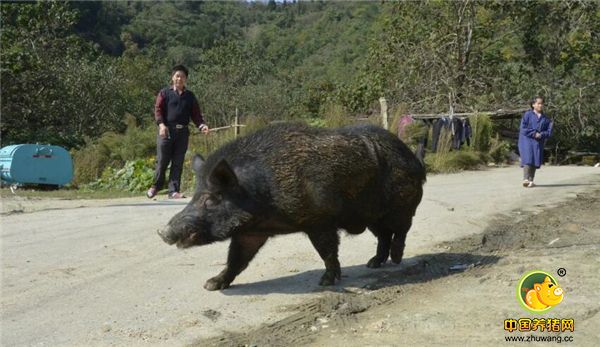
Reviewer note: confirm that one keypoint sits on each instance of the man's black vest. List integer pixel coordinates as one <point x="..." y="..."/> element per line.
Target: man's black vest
<point x="178" y="107"/>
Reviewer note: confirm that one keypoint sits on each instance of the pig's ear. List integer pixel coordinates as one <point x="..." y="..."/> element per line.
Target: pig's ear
<point x="537" y="287"/>
<point x="197" y="162"/>
<point x="222" y="176"/>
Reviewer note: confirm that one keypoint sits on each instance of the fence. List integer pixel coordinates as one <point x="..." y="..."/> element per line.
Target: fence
<point x="236" y="125"/>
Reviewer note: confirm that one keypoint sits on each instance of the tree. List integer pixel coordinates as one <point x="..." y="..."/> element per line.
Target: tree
<point x="487" y="55"/>
<point x="222" y="75"/>
<point x="60" y="90"/>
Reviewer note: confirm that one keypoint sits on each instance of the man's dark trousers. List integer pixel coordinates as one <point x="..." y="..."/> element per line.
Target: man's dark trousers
<point x="171" y="149"/>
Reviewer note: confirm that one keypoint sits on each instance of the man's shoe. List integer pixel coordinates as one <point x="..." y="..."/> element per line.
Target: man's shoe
<point x="151" y="192"/>
<point x="531" y="184"/>
<point x="526" y="183"/>
<point x="176" y="195"/>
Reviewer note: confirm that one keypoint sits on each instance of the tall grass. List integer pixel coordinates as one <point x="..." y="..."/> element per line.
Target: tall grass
<point x="335" y="116"/>
<point x="482" y="132"/>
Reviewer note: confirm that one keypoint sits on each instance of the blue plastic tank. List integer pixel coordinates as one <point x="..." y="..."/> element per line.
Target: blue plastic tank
<point x="35" y="164"/>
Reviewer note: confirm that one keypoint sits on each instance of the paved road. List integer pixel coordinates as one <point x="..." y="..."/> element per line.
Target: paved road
<point x="95" y="273"/>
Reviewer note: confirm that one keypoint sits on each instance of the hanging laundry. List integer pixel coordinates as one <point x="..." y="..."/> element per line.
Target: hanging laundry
<point x="440" y="124"/>
<point x="467" y="132"/>
<point x="457" y="133"/>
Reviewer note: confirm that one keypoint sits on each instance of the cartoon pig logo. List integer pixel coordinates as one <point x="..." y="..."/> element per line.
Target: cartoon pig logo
<point x="538" y="292"/>
<point x="543" y="295"/>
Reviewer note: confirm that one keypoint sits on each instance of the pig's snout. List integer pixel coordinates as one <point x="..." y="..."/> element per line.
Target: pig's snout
<point x="558" y="291"/>
<point x="183" y="232"/>
<point x="164" y="235"/>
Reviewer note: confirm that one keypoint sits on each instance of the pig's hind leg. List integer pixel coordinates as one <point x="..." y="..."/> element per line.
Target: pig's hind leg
<point x="242" y="249"/>
<point x="391" y="235"/>
<point x="326" y="243"/>
<point x="401" y="226"/>
<point x="384" y="242"/>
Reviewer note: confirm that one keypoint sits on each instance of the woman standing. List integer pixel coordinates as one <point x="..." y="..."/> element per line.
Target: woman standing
<point x="535" y="128"/>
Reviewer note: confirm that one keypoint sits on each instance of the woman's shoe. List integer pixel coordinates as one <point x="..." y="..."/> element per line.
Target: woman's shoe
<point x="526" y="183"/>
<point x="176" y="195"/>
<point x="151" y="192"/>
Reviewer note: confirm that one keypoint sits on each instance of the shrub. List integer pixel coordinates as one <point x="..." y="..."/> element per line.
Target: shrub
<point x="112" y="150"/>
<point x="499" y="150"/>
<point x="455" y="161"/>
<point x="137" y="141"/>
<point x="135" y="176"/>
<point x="481" y="126"/>
<point x="335" y="116"/>
<point x="316" y="122"/>
<point x="89" y="162"/>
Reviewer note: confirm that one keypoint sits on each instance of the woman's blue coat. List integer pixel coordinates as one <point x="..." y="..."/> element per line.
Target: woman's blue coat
<point x="530" y="148"/>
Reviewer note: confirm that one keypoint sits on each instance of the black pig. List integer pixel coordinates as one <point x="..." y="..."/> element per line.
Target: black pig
<point x="291" y="177"/>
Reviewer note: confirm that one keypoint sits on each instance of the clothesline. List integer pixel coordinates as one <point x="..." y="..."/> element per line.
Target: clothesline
<point x="499" y="114"/>
<point x="458" y="127"/>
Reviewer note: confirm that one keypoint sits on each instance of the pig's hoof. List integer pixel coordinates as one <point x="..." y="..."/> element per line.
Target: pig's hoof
<point x="375" y="263"/>
<point x="216" y="283"/>
<point x="329" y="277"/>
<point x="396" y="252"/>
<point x="396" y="256"/>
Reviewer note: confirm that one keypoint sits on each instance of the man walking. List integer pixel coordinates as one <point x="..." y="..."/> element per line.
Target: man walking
<point x="174" y="107"/>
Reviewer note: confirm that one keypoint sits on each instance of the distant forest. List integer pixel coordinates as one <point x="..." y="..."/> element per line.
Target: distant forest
<point x="71" y="71"/>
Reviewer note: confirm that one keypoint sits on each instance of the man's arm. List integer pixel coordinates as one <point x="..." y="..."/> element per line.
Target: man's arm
<point x="197" y="117"/>
<point x="159" y="112"/>
<point x="159" y="108"/>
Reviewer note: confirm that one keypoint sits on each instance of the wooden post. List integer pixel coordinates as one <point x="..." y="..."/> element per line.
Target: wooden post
<point x="206" y="144"/>
<point x="236" y="123"/>
<point x="384" y="113"/>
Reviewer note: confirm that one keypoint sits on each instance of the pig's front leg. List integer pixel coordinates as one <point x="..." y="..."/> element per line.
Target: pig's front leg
<point x="242" y="249"/>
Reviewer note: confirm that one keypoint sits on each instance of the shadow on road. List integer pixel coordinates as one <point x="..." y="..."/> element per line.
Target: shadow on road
<point x="151" y="204"/>
<point x="417" y="269"/>
<point x="562" y="185"/>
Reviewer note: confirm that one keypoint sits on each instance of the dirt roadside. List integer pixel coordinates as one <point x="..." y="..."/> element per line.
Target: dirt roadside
<point x="461" y="294"/>
<point x="95" y="273"/>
